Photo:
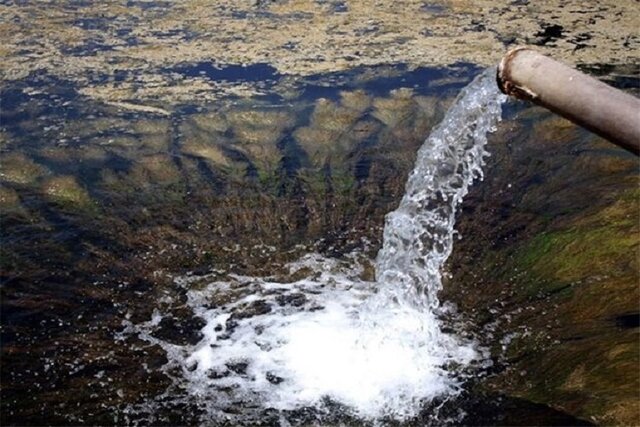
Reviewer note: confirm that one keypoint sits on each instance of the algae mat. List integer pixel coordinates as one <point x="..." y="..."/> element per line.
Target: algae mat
<point x="119" y="51"/>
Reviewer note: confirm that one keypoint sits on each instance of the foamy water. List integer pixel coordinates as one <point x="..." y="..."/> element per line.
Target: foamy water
<point x="375" y="348"/>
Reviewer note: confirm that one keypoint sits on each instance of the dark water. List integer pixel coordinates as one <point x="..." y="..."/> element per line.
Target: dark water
<point x="100" y="208"/>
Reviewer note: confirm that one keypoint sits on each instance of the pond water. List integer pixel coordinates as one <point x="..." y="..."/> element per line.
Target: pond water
<point x="147" y="253"/>
<point x="375" y="349"/>
<point x="102" y="206"/>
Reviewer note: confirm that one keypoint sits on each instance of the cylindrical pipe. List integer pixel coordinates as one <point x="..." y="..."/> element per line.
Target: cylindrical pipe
<point x="609" y="112"/>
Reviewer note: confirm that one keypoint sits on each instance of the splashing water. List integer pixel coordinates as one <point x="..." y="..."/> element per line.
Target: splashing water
<point x="376" y="349"/>
<point x="418" y="236"/>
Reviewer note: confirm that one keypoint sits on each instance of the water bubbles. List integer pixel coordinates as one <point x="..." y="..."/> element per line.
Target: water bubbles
<point x="328" y="337"/>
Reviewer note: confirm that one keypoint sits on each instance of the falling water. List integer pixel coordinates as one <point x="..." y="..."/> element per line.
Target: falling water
<point x="418" y="236"/>
<point x="375" y="349"/>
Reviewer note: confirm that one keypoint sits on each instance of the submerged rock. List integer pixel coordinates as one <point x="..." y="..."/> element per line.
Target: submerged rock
<point x="555" y="131"/>
<point x="214" y="122"/>
<point x="211" y="152"/>
<point x="331" y="116"/>
<point x="295" y="299"/>
<point x="429" y="112"/>
<point x="75" y="156"/>
<point x="329" y="135"/>
<point x="357" y="100"/>
<point x="4" y="139"/>
<point x="65" y="190"/>
<point x="126" y="146"/>
<point x="207" y="145"/>
<point x="96" y="126"/>
<point x="158" y="169"/>
<point x="19" y="169"/>
<point x="270" y="119"/>
<point x="180" y="331"/>
<point x="255" y="308"/>
<point x="154" y="135"/>
<point x="397" y="110"/>
<point x="257" y="133"/>
<point x="10" y="202"/>
<point x="8" y="198"/>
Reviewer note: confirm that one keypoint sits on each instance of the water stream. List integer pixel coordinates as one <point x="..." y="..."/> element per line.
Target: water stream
<point x="326" y="338"/>
<point x="418" y="236"/>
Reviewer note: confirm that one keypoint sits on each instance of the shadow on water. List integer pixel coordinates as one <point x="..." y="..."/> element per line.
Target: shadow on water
<point x="230" y="73"/>
<point x="500" y="410"/>
<point x="628" y="321"/>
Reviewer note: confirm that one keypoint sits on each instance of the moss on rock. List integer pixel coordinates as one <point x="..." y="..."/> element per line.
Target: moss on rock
<point x="66" y="191"/>
<point x="19" y="169"/>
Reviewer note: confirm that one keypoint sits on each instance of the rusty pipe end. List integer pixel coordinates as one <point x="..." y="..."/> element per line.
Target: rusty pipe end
<point x="505" y="81"/>
<point x="527" y="74"/>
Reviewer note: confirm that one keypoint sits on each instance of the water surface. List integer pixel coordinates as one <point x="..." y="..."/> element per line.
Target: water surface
<point x="116" y="217"/>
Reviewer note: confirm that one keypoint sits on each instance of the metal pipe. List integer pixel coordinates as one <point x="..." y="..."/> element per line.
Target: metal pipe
<point x="609" y="112"/>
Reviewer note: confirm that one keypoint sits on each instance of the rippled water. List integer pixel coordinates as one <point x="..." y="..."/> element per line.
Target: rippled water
<point x="375" y="349"/>
<point x="158" y="227"/>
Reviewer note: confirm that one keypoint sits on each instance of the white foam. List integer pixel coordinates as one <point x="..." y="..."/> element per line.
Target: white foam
<point x="291" y="357"/>
<point x="382" y="369"/>
<point x="376" y="347"/>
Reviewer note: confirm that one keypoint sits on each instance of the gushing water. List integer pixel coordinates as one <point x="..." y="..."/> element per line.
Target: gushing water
<point x="418" y="236"/>
<point x="374" y="349"/>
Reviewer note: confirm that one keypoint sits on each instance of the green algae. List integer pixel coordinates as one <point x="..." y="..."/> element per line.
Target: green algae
<point x="297" y="38"/>
<point x="590" y="377"/>
<point x="552" y="262"/>
<point x="567" y="255"/>
<point x="602" y="241"/>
